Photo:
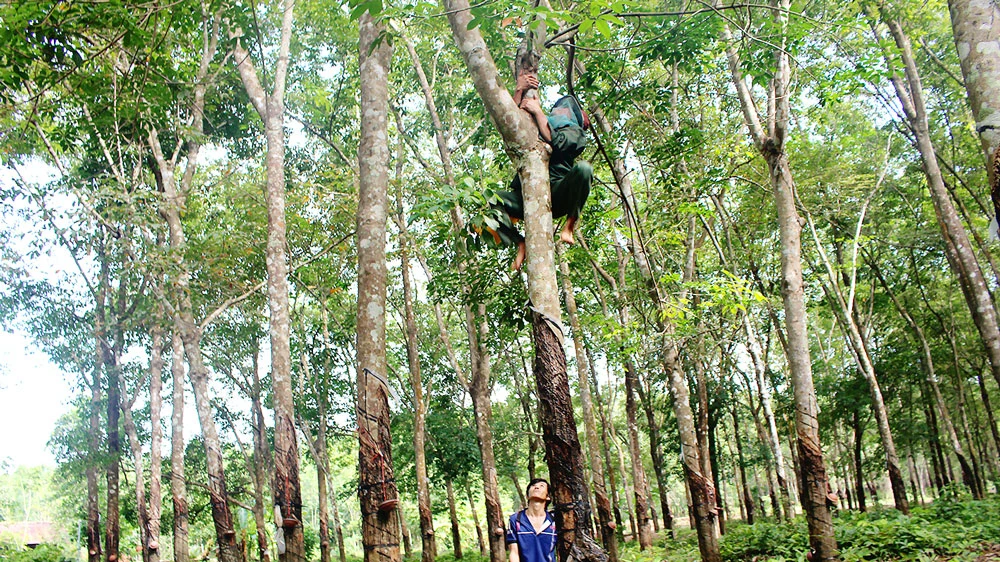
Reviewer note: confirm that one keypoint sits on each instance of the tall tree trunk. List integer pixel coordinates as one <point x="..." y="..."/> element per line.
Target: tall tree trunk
<point x="639" y="484"/>
<point x="185" y="326"/>
<point x="606" y="432"/>
<point x="271" y="108"/>
<point x="376" y="488"/>
<point x="456" y="534"/>
<point x="480" y="541"/>
<point x="178" y="487"/>
<point x="747" y="497"/>
<point x="428" y="542"/>
<point x="931" y="376"/>
<point x="530" y="156"/>
<point x="142" y="508"/>
<point x="975" y="27"/>
<point x="764" y="391"/>
<point x="627" y="491"/>
<point x="479" y="390"/>
<point x="404" y="531"/>
<point x="109" y="360"/>
<point x="713" y="451"/>
<point x="859" y="347"/>
<point x="155" y="444"/>
<point x="604" y="516"/>
<point x="771" y="144"/>
<point x="958" y="250"/>
<point x="476" y="329"/>
<point x="859" y="476"/>
<point x="656" y="454"/>
<point x="261" y="457"/>
<point x="94" y="549"/>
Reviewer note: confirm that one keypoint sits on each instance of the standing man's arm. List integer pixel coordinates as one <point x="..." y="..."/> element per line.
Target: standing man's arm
<point x="514" y="553"/>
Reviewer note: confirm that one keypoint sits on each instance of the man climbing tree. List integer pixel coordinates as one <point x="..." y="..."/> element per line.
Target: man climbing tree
<point x="569" y="181"/>
<point x="520" y="132"/>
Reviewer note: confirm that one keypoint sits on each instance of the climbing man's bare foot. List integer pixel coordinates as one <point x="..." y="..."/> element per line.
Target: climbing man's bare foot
<point x="567" y="231"/>
<point x="519" y="259"/>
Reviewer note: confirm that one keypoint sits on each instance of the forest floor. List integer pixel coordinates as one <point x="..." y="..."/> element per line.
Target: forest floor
<point x="951" y="529"/>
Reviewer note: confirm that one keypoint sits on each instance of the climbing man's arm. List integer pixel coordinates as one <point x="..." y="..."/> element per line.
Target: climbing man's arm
<point x="532" y="106"/>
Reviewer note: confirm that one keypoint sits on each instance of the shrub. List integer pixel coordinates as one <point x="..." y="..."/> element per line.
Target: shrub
<point x="42" y="553"/>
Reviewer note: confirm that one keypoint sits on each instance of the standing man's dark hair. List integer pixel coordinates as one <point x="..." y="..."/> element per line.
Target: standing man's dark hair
<point x="527" y="489"/>
<point x="531" y="532"/>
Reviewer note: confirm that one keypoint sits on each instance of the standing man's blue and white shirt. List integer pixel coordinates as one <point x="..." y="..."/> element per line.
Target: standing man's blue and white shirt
<point x="531" y="532"/>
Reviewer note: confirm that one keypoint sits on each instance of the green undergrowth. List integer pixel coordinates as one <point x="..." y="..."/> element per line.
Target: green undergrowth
<point x="12" y="552"/>
<point x="944" y="529"/>
<point x="948" y="529"/>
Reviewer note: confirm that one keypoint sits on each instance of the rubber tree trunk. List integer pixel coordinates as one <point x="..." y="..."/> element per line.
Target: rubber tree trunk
<point x="271" y="108"/>
<point x="141" y="506"/>
<point x="931" y="376"/>
<point x="428" y="541"/>
<point x="404" y="532"/>
<point x="656" y="454"/>
<point x="155" y="444"/>
<point x="178" y="487"/>
<point x="859" y="475"/>
<point x="639" y="482"/>
<point x="771" y="144"/>
<point x="262" y="461"/>
<point x="456" y="533"/>
<point x="530" y="158"/>
<point x="960" y="253"/>
<point x="480" y="541"/>
<point x="479" y="386"/>
<point x="190" y="333"/>
<point x="112" y="530"/>
<point x="94" y="549"/>
<point x="604" y="516"/>
<point x="764" y="391"/>
<point x="747" y="496"/>
<point x="376" y="487"/>
<point x="858" y="345"/>
<point x="975" y="27"/>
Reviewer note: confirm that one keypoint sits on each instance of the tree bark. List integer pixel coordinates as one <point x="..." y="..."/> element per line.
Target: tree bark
<point x="975" y="28"/>
<point x="178" y="487"/>
<point x="747" y="496"/>
<point x="376" y="487"/>
<point x="261" y="457"/>
<point x="173" y="200"/>
<point x="271" y="108"/>
<point x="931" y="376"/>
<point x="604" y="516"/>
<point x="475" y="520"/>
<point x="141" y="507"/>
<point x="456" y="534"/>
<point x="859" y="347"/>
<point x="109" y="362"/>
<point x="859" y="475"/>
<point x="476" y="329"/>
<point x="155" y="444"/>
<point x="428" y="541"/>
<point x="958" y="250"/>
<point x="771" y="144"/>
<point x="94" y="549"/>
<point x="639" y="483"/>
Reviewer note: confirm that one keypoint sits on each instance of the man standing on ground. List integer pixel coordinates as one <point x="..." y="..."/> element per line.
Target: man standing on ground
<point x="531" y="532"/>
